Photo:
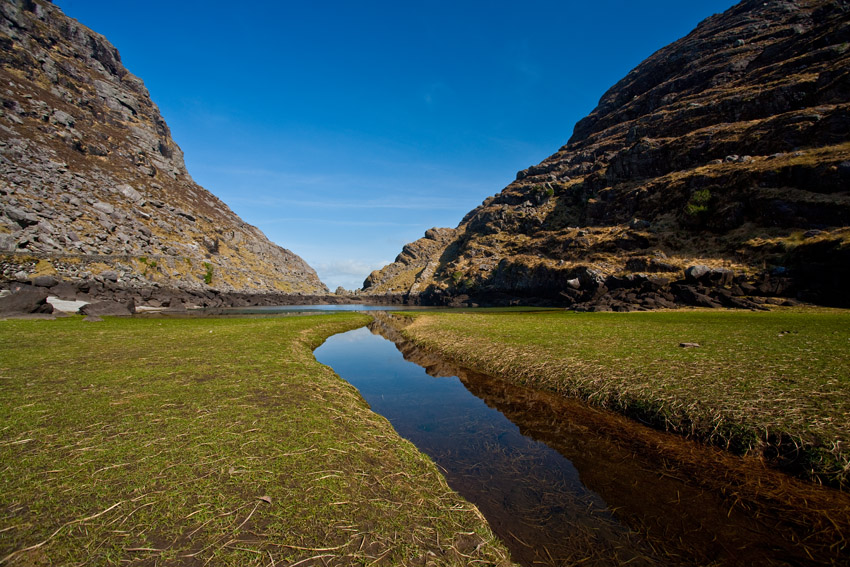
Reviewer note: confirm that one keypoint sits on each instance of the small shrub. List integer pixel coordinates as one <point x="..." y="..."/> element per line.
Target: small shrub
<point x="208" y="276"/>
<point x="148" y="264"/>
<point x="698" y="203"/>
<point x="541" y="194"/>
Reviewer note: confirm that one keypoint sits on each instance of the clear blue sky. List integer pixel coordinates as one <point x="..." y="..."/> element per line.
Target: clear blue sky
<point x="345" y="129"/>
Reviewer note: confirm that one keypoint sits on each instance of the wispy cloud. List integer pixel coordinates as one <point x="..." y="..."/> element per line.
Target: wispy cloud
<point x="427" y="190"/>
<point x="435" y="92"/>
<point x="523" y="61"/>
<point x="346" y="273"/>
<point x="420" y="203"/>
<point x="350" y="267"/>
<point x="335" y="222"/>
<point x="287" y="177"/>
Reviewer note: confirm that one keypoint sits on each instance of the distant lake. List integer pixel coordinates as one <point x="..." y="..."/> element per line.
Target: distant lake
<point x="325" y="308"/>
<point x="314" y="308"/>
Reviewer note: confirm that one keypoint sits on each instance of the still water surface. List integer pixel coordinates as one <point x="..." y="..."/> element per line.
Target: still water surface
<point x="477" y="447"/>
<point x="316" y="308"/>
<point x="554" y="488"/>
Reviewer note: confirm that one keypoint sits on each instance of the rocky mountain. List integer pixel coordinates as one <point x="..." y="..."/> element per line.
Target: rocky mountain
<point x="715" y="173"/>
<point x="94" y="191"/>
<point x="415" y="265"/>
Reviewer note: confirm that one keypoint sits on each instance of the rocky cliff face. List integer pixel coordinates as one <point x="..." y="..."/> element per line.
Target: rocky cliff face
<point x="93" y="188"/>
<point x="413" y="268"/>
<point x="727" y="151"/>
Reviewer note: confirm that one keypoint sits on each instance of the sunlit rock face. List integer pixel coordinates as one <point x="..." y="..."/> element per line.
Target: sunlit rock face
<point x="728" y="149"/>
<point x="92" y="182"/>
<point x="413" y="268"/>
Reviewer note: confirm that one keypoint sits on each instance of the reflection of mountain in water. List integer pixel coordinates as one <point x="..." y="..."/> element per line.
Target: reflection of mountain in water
<point x="530" y="494"/>
<point x="680" y="496"/>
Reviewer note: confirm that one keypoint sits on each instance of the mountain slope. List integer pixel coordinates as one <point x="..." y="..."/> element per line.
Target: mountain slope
<point x="92" y="183"/>
<point x="728" y="150"/>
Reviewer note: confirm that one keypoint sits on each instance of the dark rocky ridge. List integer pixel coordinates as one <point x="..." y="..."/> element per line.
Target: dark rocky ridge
<point x="728" y="149"/>
<point x="93" y="190"/>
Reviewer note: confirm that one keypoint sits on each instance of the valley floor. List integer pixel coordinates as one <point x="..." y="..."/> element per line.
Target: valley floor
<point x="195" y="441"/>
<point x="210" y="441"/>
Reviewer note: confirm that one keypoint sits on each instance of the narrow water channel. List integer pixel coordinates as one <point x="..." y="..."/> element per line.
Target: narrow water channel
<point x="552" y="485"/>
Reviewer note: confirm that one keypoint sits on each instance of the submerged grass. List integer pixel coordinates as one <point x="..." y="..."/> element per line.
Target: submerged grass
<point x="209" y="441"/>
<point x="776" y="384"/>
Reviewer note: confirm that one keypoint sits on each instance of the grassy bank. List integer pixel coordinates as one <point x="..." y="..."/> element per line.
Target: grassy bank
<point x="775" y="384"/>
<point x="209" y="441"/>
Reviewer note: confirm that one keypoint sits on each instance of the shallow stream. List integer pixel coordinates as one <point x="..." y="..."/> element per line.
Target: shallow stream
<point x="560" y="483"/>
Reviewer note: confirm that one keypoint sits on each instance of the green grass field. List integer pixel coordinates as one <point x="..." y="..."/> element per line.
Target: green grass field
<point x="776" y="384"/>
<point x="209" y="441"/>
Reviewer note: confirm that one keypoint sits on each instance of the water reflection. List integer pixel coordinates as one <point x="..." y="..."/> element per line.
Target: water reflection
<point x="567" y="483"/>
<point x="530" y="494"/>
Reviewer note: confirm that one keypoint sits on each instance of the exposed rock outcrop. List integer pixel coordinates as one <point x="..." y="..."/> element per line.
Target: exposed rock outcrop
<point x="412" y="268"/>
<point x="728" y="149"/>
<point x="92" y="187"/>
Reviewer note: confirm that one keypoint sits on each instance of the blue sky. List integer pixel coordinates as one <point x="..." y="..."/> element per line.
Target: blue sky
<point x="345" y="129"/>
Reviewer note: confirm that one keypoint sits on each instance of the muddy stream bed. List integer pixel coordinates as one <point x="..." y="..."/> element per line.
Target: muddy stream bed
<point x="562" y="483"/>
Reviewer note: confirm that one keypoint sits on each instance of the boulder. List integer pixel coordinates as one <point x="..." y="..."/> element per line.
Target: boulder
<point x="7" y="242"/>
<point x="129" y="193"/>
<point x="729" y="299"/>
<point x="696" y="273"/>
<point x="44" y="281"/>
<point x="24" y="301"/>
<point x="23" y="218"/>
<point x="62" y="118"/>
<point x="691" y="295"/>
<point x="64" y="290"/>
<point x="114" y="308"/>
<point x="709" y="276"/>
<point x="590" y="279"/>
<point x="104" y="207"/>
<point x="174" y="303"/>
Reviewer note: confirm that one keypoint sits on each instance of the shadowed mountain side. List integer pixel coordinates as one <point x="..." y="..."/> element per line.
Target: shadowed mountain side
<point x="727" y="152"/>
